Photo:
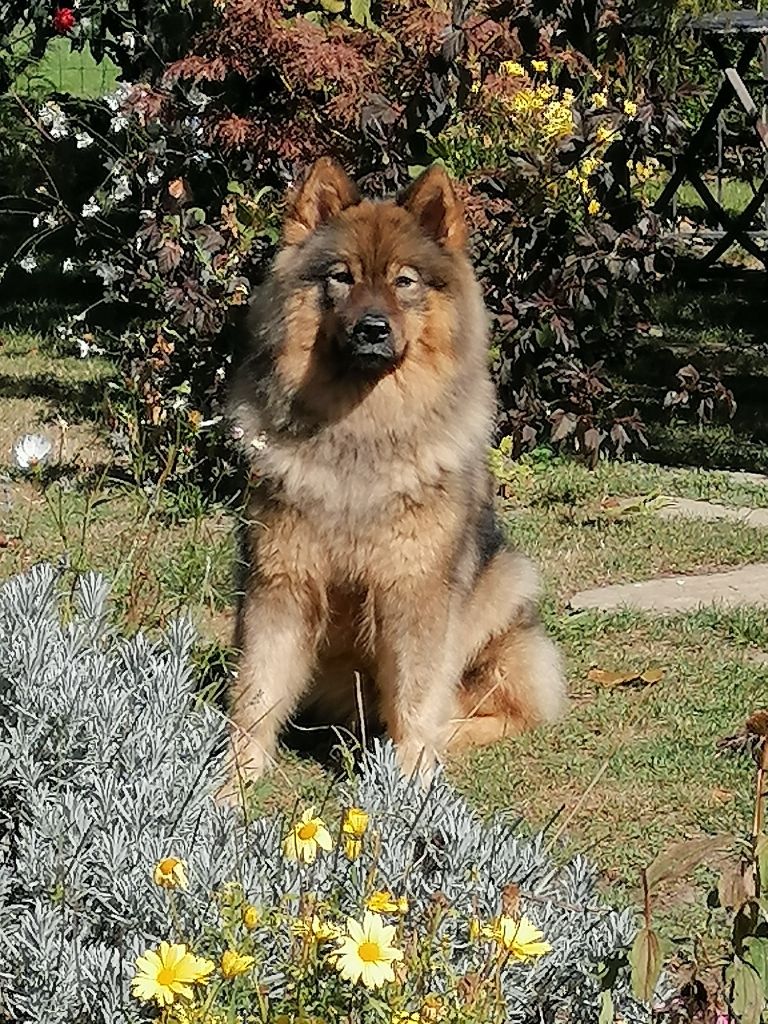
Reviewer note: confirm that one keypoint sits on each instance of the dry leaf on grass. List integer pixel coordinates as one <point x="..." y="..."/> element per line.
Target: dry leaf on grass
<point x="613" y="680"/>
<point x="680" y="859"/>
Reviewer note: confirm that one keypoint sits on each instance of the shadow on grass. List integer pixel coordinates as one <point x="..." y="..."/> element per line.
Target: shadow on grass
<point x="78" y="398"/>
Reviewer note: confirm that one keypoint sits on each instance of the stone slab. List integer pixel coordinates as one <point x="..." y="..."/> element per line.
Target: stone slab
<point x="747" y="585"/>
<point x="709" y="511"/>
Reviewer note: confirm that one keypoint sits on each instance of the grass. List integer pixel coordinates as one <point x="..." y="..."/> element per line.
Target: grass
<point x="624" y="775"/>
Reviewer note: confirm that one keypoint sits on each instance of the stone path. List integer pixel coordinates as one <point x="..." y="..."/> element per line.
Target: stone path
<point x="747" y="585"/>
<point x="710" y="512"/>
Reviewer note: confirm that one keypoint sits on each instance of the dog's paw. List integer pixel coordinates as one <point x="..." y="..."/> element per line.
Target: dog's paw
<point x="417" y="762"/>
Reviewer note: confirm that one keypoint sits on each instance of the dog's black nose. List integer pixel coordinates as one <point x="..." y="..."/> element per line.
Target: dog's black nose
<point x="372" y="330"/>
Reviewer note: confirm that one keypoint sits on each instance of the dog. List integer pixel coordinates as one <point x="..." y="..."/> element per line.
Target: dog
<point x="371" y="548"/>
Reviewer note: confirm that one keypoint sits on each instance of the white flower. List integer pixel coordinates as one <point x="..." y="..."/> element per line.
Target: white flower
<point x="53" y="118"/>
<point x="50" y="220"/>
<point x="121" y="188"/>
<point x="31" y="450"/>
<point x="86" y="349"/>
<point x="259" y="442"/>
<point x="154" y="175"/>
<point x="128" y="40"/>
<point x="67" y="266"/>
<point x="118" y="123"/>
<point x="116" y="99"/>
<point x="91" y="208"/>
<point x="29" y="263"/>
<point x="108" y="273"/>
<point x="83" y="140"/>
<point x="35" y="222"/>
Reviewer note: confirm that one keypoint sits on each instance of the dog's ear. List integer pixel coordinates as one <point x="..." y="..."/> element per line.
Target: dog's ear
<point x="325" y="192"/>
<point x="433" y="202"/>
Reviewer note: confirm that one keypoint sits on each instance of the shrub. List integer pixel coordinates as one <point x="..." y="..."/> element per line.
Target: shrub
<point x="530" y="109"/>
<point x="108" y="761"/>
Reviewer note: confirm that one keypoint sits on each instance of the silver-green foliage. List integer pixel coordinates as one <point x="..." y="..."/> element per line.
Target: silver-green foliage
<point x="107" y="763"/>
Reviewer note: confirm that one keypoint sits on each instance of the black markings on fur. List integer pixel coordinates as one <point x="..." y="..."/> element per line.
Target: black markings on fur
<point x="490" y="539"/>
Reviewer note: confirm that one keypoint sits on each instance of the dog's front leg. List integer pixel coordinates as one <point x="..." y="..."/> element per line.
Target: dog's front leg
<point x="418" y="669"/>
<point x="278" y="628"/>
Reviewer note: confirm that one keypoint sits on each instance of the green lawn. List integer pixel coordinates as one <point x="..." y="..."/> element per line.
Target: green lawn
<point x="625" y="774"/>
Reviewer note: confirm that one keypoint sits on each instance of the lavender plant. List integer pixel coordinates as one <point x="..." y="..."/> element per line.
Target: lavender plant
<point x="111" y="844"/>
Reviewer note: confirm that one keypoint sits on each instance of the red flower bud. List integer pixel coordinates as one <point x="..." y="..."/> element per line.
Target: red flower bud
<point x="64" y="19"/>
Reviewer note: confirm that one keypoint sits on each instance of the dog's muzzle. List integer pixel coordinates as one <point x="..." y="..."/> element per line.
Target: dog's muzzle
<point x="371" y="345"/>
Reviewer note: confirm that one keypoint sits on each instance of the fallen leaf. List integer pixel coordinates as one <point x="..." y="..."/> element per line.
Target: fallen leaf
<point x="652" y="675"/>
<point x="679" y="859"/>
<point x="612" y="680"/>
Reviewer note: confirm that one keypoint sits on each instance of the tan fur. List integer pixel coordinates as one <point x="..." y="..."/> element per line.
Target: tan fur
<point x="368" y="540"/>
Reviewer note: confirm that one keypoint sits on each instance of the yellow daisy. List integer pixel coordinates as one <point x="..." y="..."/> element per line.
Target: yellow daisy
<point x="234" y="963"/>
<point x="384" y="902"/>
<point x="307" y="837"/>
<point x="366" y="952"/>
<point x="250" y="915"/>
<point x="630" y="108"/>
<point x="170" y="873"/>
<point x="168" y="972"/>
<point x="521" y="938"/>
<point x="539" y="65"/>
<point x="594" y="207"/>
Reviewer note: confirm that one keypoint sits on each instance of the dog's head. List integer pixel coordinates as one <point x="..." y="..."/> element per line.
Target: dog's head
<point x="375" y="284"/>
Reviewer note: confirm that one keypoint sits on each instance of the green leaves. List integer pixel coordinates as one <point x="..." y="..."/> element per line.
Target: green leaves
<point x="745" y="991"/>
<point x="645" y="961"/>
<point x="360" y="12"/>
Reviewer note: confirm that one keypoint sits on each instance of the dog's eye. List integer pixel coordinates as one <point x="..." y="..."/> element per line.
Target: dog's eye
<point x="406" y="279"/>
<point x="340" y="275"/>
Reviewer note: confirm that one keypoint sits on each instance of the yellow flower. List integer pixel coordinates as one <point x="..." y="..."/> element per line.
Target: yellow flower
<point x="521" y="938"/>
<point x="511" y="67"/>
<point x="603" y="133"/>
<point x="539" y="65"/>
<point x="572" y="174"/>
<point x="320" y="931"/>
<point x="384" y="902"/>
<point x="431" y="1008"/>
<point x="305" y="838"/>
<point x="366" y="952"/>
<point x="630" y="108"/>
<point x="353" y="828"/>
<point x="355" y="822"/>
<point x="250" y="916"/>
<point x="404" y="1017"/>
<point x="168" y="972"/>
<point x="599" y="100"/>
<point x="170" y="873"/>
<point x="594" y="207"/>
<point x="352" y="848"/>
<point x="234" y="963"/>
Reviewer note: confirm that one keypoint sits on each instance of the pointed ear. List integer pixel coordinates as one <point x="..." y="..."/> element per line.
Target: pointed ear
<point x="434" y="204"/>
<point x="325" y="192"/>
